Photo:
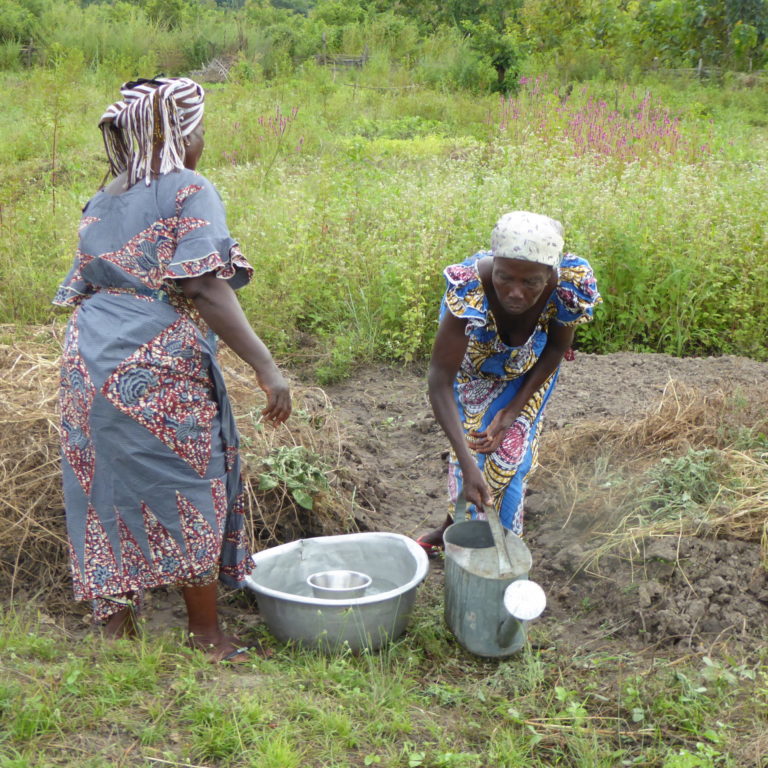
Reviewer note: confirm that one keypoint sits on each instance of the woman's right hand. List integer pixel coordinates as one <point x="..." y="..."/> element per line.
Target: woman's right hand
<point x="476" y="490"/>
<point x="278" y="393"/>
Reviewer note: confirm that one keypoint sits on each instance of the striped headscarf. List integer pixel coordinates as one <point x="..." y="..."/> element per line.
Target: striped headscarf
<point x="158" y="112"/>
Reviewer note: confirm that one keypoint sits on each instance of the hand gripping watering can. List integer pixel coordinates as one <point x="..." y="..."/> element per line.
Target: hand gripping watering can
<point x="488" y="597"/>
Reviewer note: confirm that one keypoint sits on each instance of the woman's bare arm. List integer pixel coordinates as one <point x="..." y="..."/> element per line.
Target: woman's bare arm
<point x="219" y="307"/>
<point x="447" y="353"/>
<point x="559" y="340"/>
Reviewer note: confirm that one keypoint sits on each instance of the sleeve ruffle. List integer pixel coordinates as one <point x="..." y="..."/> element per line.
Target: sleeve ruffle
<point x="203" y="241"/>
<point x="464" y="296"/>
<point x="576" y="295"/>
<point x="73" y="290"/>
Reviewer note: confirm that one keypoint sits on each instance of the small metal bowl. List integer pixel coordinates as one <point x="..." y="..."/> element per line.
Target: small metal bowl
<point x="338" y="585"/>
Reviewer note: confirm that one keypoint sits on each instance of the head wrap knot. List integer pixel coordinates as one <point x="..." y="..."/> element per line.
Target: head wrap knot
<point x="152" y="113"/>
<point x="528" y="236"/>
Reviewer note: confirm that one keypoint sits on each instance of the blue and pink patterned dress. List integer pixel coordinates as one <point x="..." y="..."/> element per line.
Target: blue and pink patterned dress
<point x="149" y="445"/>
<point x="491" y="373"/>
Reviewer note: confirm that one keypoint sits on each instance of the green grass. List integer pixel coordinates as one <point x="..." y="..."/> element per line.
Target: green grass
<point x="419" y="702"/>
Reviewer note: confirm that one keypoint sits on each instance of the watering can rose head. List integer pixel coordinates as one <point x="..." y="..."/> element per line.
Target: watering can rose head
<point x="525" y="600"/>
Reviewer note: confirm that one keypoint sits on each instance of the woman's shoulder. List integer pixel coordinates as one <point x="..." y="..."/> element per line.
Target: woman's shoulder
<point x="572" y="261"/>
<point x="576" y="271"/>
<point x="464" y="295"/>
<point x="188" y="191"/>
<point x="465" y="274"/>
<point x="183" y="178"/>
<point x="576" y="295"/>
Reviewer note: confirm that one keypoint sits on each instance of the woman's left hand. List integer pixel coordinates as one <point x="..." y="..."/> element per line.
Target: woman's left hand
<point x="490" y="438"/>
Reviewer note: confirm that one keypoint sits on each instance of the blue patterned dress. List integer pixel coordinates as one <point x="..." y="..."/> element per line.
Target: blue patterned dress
<point x="491" y="373"/>
<point x="149" y="445"/>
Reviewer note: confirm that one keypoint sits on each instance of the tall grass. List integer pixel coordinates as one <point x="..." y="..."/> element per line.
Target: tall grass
<point x="351" y="200"/>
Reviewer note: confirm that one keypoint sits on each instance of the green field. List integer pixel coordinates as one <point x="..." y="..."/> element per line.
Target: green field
<point x="363" y="194"/>
<point x="420" y="703"/>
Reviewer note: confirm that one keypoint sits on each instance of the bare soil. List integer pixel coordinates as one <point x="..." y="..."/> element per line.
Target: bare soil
<point x="680" y="592"/>
<point x="677" y="594"/>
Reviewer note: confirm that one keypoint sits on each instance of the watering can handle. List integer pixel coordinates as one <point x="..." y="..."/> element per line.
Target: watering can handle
<point x="460" y="514"/>
<point x="460" y="508"/>
<point x="499" y="540"/>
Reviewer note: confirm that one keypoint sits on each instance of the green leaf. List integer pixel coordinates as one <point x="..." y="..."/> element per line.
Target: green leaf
<point x="514" y="714"/>
<point x="561" y="693"/>
<point x="267" y="482"/>
<point x="535" y="737"/>
<point x="302" y="498"/>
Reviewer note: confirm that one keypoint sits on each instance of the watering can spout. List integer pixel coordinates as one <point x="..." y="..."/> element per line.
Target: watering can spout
<point x="524" y="600"/>
<point x="507" y="632"/>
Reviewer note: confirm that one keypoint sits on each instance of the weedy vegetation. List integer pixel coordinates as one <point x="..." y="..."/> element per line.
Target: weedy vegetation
<point x="421" y="702"/>
<point x="351" y="201"/>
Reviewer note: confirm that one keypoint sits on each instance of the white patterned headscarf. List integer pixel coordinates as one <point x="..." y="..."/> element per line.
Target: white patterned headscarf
<point x="158" y="112"/>
<point x="528" y="236"/>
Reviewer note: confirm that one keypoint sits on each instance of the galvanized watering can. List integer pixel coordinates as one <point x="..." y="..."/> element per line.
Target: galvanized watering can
<point x="488" y="598"/>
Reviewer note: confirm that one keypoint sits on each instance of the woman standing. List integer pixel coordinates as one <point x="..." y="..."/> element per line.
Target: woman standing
<point x="149" y="445"/>
<point x="506" y="321"/>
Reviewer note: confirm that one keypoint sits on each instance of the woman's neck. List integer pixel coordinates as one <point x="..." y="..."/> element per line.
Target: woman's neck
<point x="118" y="185"/>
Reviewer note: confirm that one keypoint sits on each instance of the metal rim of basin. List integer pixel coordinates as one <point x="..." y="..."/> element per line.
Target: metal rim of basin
<point x="419" y="556"/>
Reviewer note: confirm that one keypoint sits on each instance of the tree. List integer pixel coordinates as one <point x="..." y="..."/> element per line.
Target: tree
<point x="717" y="31"/>
<point x="502" y="47"/>
<point x="493" y="31"/>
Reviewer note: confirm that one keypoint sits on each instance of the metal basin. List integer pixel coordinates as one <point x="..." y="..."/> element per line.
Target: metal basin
<point x="395" y="563"/>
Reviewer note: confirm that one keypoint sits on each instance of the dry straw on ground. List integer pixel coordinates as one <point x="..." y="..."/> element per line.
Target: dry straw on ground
<point x="33" y="544"/>
<point x="33" y="554"/>
<point x="590" y="462"/>
<point x="598" y="467"/>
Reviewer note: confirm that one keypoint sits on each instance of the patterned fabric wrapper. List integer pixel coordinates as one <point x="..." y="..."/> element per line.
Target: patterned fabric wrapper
<point x="149" y="445"/>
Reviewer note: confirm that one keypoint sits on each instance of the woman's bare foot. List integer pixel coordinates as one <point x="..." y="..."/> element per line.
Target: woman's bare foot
<point x="220" y="647"/>
<point x="204" y="630"/>
<point x="122" y="624"/>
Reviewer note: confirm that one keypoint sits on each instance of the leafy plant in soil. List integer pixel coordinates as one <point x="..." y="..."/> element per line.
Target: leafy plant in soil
<point x="302" y="473"/>
<point x="684" y="484"/>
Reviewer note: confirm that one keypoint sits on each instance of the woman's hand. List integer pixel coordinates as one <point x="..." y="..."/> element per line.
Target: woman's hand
<point x="275" y="387"/>
<point x="490" y="438"/>
<point x="475" y="489"/>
